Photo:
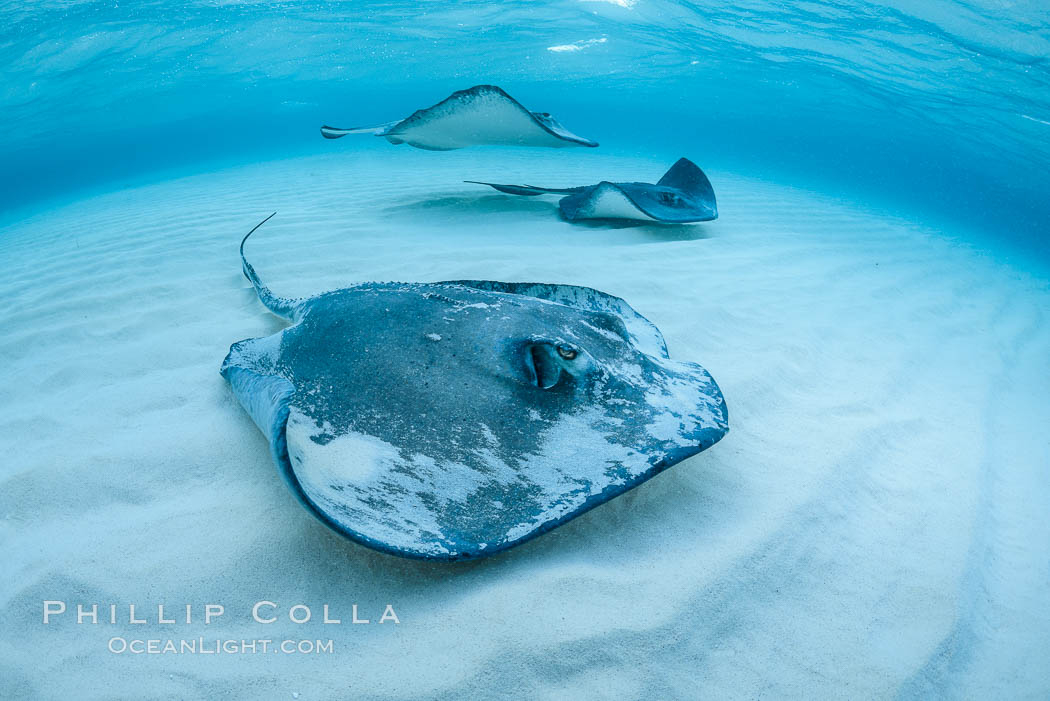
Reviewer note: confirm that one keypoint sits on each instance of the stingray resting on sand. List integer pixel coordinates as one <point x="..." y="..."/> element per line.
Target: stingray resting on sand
<point x="682" y="195"/>
<point x="482" y="115"/>
<point x="453" y="420"/>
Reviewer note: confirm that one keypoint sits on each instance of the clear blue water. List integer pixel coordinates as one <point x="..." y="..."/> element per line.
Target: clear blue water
<point x="876" y="520"/>
<point x="941" y="105"/>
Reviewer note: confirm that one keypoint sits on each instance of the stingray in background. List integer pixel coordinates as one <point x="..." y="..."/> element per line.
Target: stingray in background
<point x="478" y="116"/>
<point x="453" y="420"/>
<point x="682" y="195"/>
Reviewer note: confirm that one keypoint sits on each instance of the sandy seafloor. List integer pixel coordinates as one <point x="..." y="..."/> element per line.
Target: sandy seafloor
<point x="875" y="523"/>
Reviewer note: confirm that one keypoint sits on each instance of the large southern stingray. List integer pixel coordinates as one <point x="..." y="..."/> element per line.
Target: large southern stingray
<point x="482" y="115"/>
<point x="453" y="420"/>
<point x="682" y="195"/>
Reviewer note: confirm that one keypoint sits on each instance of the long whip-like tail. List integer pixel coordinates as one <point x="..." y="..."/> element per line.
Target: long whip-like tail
<point x="336" y="132"/>
<point x="280" y="306"/>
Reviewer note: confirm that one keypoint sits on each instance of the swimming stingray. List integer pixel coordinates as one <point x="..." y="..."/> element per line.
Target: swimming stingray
<point x="482" y="115"/>
<point x="453" y="420"/>
<point x="683" y="194"/>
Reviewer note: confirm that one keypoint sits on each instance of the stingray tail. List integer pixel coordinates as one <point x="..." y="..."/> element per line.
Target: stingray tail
<point x="527" y="190"/>
<point x="285" y="308"/>
<point x="337" y="132"/>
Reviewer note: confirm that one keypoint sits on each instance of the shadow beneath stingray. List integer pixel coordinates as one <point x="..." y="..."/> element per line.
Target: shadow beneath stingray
<point x="454" y="205"/>
<point x="663" y="231"/>
<point x="471" y="204"/>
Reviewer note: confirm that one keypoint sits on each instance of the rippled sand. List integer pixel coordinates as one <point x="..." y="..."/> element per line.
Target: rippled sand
<point x="875" y="523"/>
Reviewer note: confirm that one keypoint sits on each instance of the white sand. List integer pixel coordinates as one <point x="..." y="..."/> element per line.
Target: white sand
<point x="875" y="522"/>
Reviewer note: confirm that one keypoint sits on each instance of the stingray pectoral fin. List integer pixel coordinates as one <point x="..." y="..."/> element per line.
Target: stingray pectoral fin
<point x="266" y="399"/>
<point x="685" y="413"/>
<point x="552" y="125"/>
<point x="686" y="176"/>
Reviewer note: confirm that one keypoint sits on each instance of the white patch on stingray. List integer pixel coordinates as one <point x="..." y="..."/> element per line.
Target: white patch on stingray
<point x="486" y="118"/>
<point x="604" y="333"/>
<point x="258" y="354"/>
<point x="685" y="403"/>
<point x="341" y="476"/>
<point x="630" y="372"/>
<point x="490" y="437"/>
<point x="667" y="427"/>
<point x="365" y="484"/>
<point x="573" y="445"/>
<point x="609" y="202"/>
<point x="352" y="458"/>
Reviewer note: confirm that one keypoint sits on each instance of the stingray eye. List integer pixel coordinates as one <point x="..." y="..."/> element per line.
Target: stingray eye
<point x="567" y="352"/>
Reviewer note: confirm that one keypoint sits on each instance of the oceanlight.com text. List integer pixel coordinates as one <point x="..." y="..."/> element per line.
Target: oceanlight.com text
<point x="217" y="646"/>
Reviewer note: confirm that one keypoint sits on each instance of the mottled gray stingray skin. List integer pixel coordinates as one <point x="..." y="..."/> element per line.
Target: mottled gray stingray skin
<point x="482" y="115"/>
<point x="682" y="195"/>
<point x="453" y="420"/>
